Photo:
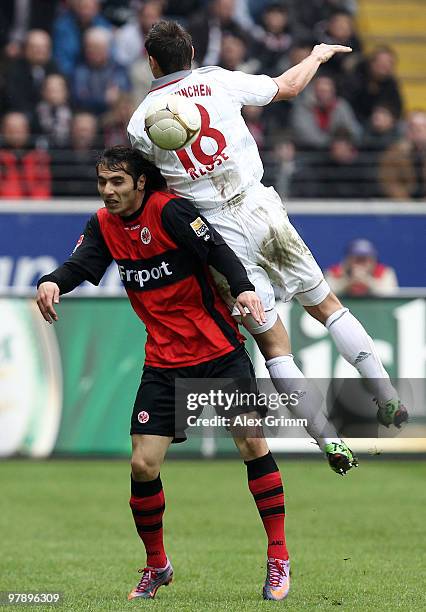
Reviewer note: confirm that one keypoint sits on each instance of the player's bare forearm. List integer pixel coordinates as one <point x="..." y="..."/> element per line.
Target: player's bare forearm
<point x="294" y="80"/>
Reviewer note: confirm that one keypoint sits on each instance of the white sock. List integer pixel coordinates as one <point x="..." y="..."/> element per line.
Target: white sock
<point x="288" y="378"/>
<point x="356" y="346"/>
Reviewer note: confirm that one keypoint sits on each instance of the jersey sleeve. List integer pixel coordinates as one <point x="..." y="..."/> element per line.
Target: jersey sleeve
<point x="89" y="260"/>
<point x="248" y="89"/>
<point x="190" y="230"/>
<point x="137" y="135"/>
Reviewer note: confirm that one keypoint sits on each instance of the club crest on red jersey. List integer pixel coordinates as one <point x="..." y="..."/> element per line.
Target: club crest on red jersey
<point x="145" y="235"/>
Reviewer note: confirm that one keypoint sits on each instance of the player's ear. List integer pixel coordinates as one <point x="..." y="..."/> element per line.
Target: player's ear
<point x="153" y="64"/>
<point x="141" y="182"/>
<point x="193" y="53"/>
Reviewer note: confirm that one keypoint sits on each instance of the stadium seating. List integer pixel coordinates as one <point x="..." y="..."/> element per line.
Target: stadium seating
<point x="402" y="25"/>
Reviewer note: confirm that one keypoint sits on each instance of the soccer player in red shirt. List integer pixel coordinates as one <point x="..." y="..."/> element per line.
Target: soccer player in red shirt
<point x="163" y="247"/>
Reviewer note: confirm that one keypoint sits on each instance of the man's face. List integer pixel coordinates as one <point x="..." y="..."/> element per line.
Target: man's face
<point x="382" y="120"/>
<point x="382" y="65"/>
<point x="149" y="14"/>
<point x="416" y="129"/>
<point x="325" y="91"/>
<point x="117" y="190"/>
<point x="83" y="132"/>
<point x="38" y="47"/>
<point x="96" y="51"/>
<point x="15" y="130"/>
<point x="224" y="9"/>
<point x="340" y="28"/>
<point x="85" y="10"/>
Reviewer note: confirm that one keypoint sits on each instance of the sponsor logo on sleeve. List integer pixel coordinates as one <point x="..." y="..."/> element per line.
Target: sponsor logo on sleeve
<point x="200" y="228"/>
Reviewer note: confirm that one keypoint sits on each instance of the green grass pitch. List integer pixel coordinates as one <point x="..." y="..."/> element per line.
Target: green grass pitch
<point x="357" y="543"/>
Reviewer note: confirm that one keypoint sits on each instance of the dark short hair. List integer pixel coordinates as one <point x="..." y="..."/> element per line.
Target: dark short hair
<point x="171" y="45"/>
<point x="132" y="162"/>
<point x="382" y="49"/>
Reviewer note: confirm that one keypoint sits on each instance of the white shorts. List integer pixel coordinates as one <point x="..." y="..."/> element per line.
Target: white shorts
<point x="257" y="228"/>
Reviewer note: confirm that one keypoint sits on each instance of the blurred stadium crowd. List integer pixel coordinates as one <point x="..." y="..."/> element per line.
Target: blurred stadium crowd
<point x="72" y="71"/>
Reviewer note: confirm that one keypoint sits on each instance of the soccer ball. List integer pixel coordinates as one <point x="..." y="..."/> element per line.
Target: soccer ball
<point x="172" y="122"/>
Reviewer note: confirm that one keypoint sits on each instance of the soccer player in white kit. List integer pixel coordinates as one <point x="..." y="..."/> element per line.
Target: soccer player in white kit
<point x="221" y="174"/>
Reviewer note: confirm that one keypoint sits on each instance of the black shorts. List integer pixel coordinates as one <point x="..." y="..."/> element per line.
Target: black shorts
<point x="154" y="410"/>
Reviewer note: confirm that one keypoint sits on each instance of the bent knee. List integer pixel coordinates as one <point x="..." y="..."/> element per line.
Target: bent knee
<point x="325" y="309"/>
<point x="252" y="448"/>
<point x="143" y="468"/>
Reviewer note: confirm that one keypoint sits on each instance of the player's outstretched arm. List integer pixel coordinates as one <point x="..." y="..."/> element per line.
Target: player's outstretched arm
<point x="47" y="296"/>
<point x="88" y="262"/>
<point x="294" y="80"/>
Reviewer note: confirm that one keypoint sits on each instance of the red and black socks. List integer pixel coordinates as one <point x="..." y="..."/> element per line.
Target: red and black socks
<point x="266" y="486"/>
<point x="147" y="504"/>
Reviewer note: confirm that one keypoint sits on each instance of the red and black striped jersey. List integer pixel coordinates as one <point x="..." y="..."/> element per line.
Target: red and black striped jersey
<point x="163" y="252"/>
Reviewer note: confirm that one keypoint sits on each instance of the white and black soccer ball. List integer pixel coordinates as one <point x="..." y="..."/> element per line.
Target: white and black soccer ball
<point x="172" y="122"/>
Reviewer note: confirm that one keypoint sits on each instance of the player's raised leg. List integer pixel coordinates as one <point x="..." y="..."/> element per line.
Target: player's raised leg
<point x="356" y="346"/>
<point x="261" y="225"/>
<point x="265" y="484"/>
<point x="274" y="344"/>
<point x="147" y="505"/>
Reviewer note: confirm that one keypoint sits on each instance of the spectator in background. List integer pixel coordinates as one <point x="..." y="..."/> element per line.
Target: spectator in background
<point x="53" y="114"/>
<point x="69" y="28"/>
<point x="341" y="174"/>
<point x="339" y="29"/>
<point x="360" y="273"/>
<point x="286" y="171"/>
<point x="24" y="76"/>
<point x="319" y="113"/>
<point x="17" y="17"/>
<point x="279" y="112"/>
<point x="114" y="123"/>
<point x="207" y="28"/>
<point x="382" y="131"/>
<point x="130" y="38"/>
<point x="139" y="70"/>
<point x="310" y="13"/>
<point x="73" y="168"/>
<point x="402" y="168"/>
<point x="255" y="121"/>
<point x="24" y="171"/>
<point x="234" y="54"/>
<point x="98" y="81"/>
<point x="8" y="45"/>
<point x="274" y="38"/>
<point x="181" y="10"/>
<point x="300" y="50"/>
<point x="373" y="83"/>
<point x="118" y="12"/>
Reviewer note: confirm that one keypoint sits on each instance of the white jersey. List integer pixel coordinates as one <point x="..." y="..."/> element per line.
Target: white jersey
<point x="225" y="161"/>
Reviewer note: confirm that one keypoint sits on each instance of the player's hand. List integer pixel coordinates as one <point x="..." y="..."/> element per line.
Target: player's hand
<point x="251" y="301"/>
<point x="47" y="295"/>
<point x="325" y="52"/>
